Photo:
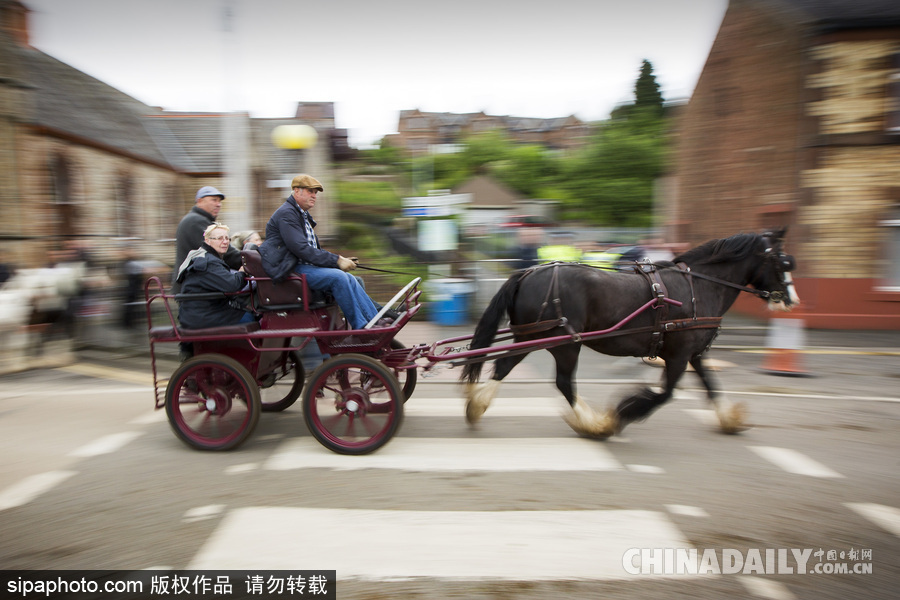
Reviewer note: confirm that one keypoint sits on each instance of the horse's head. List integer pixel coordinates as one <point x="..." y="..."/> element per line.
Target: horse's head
<point x="774" y="273"/>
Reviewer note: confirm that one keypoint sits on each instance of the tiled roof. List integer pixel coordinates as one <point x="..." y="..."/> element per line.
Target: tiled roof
<point x="191" y="141"/>
<point x="66" y="100"/>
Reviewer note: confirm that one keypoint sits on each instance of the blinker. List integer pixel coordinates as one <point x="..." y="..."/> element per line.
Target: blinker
<point x="787" y="262"/>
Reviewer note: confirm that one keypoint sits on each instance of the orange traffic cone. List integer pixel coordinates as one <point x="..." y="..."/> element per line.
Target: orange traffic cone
<point x="785" y="341"/>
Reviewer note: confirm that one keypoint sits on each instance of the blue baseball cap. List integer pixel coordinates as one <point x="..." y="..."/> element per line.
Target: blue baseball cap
<point x="209" y="190"/>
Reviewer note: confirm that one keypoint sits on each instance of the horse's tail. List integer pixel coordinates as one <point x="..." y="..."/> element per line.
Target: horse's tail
<point x="489" y="323"/>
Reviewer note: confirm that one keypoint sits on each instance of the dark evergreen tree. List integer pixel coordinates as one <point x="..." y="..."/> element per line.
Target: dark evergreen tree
<point x="646" y="90"/>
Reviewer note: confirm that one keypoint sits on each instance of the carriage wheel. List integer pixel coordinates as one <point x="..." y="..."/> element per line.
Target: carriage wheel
<point x="281" y="389"/>
<point x="353" y="404"/>
<point x="406" y="377"/>
<point x="212" y="402"/>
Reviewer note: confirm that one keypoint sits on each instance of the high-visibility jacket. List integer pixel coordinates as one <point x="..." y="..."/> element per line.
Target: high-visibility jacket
<point x="560" y="252"/>
<point x="606" y="260"/>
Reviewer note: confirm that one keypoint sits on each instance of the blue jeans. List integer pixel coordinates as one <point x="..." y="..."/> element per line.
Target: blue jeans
<point x="356" y="305"/>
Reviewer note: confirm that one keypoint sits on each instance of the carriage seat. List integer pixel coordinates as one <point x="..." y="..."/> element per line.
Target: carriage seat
<point x="284" y="295"/>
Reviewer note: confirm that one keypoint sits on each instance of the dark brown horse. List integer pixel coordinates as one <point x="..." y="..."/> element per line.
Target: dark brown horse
<point x="671" y="310"/>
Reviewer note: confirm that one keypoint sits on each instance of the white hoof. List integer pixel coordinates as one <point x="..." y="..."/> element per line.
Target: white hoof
<point x="732" y="417"/>
<point x="478" y="398"/>
<point x="587" y="422"/>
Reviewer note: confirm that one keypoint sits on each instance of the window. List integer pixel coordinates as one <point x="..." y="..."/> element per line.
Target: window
<point x="65" y="216"/>
<point x="891" y="271"/>
<point x="893" y="96"/>
<point x="129" y="213"/>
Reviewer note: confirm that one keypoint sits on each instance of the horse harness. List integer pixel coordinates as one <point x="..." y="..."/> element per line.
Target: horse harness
<point x="661" y="324"/>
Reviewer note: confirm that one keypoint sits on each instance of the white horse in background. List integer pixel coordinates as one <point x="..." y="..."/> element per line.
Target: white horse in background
<point x="36" y="302"/>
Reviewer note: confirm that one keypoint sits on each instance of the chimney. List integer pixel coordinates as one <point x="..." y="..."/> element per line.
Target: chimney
<point x="14" y="21"/>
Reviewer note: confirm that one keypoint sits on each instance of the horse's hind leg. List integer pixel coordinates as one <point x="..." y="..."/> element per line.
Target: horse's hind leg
<point x="584" y="420"/>
<point x="731" y="415"/>
<point x="480" y="395"/>
<point x="638" y="407"/>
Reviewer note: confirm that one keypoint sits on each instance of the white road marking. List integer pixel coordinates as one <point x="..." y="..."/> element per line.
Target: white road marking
<point x="105" y="445"/>
<point x="704" y="415"/>
<point x="107" y="372"/>
<point x="500" y="407"/>
<point x="450" y="454"/>
<point x="201" y="513"/>
<point x="766" y="588"/>
<point x="242" y="468"/>
<point x="646" y="469"/>
<point x="806" y="396"/>
<point x="794" y="462"/>
<point x="687" y="511"/>
<point x="886" y="517"/>
<point x="391" y="545"/>
<point x="100" y="390"/>
<point x="30" y="488"/>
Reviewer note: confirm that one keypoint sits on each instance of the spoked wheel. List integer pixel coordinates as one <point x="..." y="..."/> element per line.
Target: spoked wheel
<point x="353" y="404"/>
<point x="406" y="377"/>
<point x="281" y="388"/>
<point x="212" y="402"/>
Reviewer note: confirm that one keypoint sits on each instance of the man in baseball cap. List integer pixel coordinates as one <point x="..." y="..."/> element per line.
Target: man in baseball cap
<point x="208" y="190"/>
<point x="189" y="235"/>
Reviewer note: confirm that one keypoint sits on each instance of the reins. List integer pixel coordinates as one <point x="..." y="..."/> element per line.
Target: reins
<point x="686" y="270"/>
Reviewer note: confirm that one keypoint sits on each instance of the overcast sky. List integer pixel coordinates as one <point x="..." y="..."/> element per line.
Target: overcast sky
<point x="529" y="58"/>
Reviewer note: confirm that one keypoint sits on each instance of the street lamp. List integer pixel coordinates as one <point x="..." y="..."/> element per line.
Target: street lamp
<point x="294" y="137"/>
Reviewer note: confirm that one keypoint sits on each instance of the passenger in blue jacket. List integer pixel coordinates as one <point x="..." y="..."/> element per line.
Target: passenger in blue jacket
<point x="203" y="270"/>
<point x="291" y="245"/>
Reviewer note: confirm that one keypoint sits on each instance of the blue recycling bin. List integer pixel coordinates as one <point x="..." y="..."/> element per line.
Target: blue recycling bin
<point x="449" y="301"/>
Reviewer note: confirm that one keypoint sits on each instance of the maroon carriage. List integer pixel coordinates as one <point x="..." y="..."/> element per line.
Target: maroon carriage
<point x="352" y="402"/>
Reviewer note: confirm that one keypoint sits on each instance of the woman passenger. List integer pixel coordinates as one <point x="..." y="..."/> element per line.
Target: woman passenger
<point x="204" y="271"/>
<point x="245" y="238"/>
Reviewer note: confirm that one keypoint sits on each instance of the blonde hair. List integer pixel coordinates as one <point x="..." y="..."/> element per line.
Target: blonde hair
<point x="239" y="239"/>
<point x="213" y="227"/>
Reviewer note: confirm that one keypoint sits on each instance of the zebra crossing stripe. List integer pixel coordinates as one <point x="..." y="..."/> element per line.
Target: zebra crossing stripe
<point x="886" y="517"/>
<point x="392" y="545"/>
<point x="31" y="487"/>
<point x="106" y="445"/>
<point x="766" y="588"/>
<point x="794" y="462"/>
<point x="500" y="407"/>
<point x="449" y="454"/>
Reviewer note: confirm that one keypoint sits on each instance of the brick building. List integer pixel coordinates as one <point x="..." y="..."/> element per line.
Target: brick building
<point x="420" y="132"/>
<point x="794" y="121"/>
<point x="82" y="160"/>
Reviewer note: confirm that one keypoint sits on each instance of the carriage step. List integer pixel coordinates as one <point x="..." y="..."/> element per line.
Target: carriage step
<point x="171" y="333"/>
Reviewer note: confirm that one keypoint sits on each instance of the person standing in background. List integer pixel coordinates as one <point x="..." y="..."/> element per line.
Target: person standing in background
<point x="189" y="235"/>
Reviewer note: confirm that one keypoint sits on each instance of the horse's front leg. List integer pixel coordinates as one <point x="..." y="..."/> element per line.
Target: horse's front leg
<point x="480" y="395"/>
<point x="583" y="419"/>
<point x="731" y="415"/>
<point x="638" y="407"/>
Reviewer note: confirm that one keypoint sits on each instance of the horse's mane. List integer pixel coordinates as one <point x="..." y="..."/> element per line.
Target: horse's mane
<point x="734" y="248"/>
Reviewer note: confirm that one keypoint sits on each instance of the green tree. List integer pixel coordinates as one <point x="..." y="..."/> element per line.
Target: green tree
<point x="530" y="170"/>
<point x="646" y="90"/>
<point x="611" y="183"/>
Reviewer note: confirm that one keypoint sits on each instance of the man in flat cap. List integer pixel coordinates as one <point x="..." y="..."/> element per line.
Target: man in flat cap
<point x="189" y="235"/>
<point x="291" y="246"/>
